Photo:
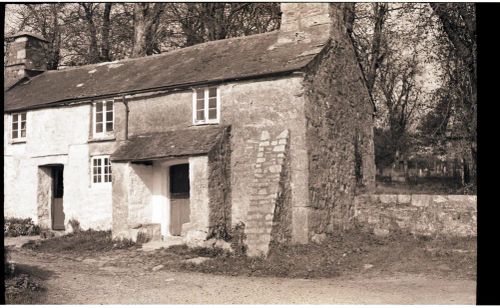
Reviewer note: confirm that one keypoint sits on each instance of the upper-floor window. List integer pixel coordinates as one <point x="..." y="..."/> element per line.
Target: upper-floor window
<point x="101" y="169"/>
<point x="19" y="126"/>
<point x="206" y="105"/>
<point x="103" y="118"/>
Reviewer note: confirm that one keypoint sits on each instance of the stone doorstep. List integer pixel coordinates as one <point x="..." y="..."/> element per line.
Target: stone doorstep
<point x="167" y="242"/>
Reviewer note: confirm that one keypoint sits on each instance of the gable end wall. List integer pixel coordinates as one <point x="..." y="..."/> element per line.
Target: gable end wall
<point x="339" y="115"/>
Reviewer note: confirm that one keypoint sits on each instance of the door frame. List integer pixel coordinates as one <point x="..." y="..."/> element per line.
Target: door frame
<point x="161" y="192"/>
<point x="55" y="182"/>
<point x="184" y="197"/>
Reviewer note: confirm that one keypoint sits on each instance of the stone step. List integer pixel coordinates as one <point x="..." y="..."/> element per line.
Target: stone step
<point x="167" y="242"/>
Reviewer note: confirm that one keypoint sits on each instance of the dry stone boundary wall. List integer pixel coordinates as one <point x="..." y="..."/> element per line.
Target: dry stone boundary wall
<point x="429" y="215"/>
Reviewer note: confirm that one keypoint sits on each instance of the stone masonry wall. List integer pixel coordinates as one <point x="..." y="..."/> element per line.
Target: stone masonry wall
<point x="44" y="197"/>
<point x="282" y="219"/>
<point x="219" y="187"/>
<point x="196" y="230"/>
<point x="430" y="215"/>
<point x="339" y="116"/>
<point x="272" y="104"/>
<point x="120" y="200"/>
<point x="270" y="177"/>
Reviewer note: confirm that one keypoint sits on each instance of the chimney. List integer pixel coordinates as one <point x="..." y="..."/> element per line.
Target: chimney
<point x="25" y="56"/>
<point x="305" y="21"/>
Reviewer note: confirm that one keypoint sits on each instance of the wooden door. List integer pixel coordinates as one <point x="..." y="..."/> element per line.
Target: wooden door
<point x="179" y="197"/>
<point x="57" y="198"/>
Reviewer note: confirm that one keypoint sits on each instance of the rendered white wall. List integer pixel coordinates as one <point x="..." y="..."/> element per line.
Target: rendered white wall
<point x="140" y="188"/>
<point x="55" y="136"/>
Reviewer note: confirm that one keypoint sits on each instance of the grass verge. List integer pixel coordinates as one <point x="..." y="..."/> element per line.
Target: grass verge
<point x="350" y="253"/>
<point x="80" y="242"/>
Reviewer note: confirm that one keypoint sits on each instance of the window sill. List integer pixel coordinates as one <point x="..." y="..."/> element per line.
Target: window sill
<point x="18" y="141"/>
<point x="205" y="123"/>
<point x="102" y="139"/>
<point x="105" y="185"/>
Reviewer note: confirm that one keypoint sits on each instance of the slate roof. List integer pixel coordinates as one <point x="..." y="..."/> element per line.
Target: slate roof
<point x="217" y="61"/>
<point x="187" y="142"/>
<point x="24" y="33"/>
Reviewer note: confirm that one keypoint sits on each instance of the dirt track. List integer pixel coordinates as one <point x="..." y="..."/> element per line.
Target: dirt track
<point x="89" y="282"/>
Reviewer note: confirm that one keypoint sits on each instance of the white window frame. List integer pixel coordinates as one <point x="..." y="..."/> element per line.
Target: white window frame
<point x="104" y="132"/>
<point x="206" y="120"/>
<point x="101" y="167"/>
<point x="18" y="128"/>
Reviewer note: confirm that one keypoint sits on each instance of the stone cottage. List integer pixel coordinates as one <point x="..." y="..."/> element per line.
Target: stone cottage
<point x="271" y="131"/>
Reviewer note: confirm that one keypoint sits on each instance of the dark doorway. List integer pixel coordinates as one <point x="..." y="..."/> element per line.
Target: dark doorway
<point x="57" y="197"/>
<point x="179" y="197"/>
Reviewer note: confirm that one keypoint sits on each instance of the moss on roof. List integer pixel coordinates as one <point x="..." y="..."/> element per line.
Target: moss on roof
<point x="223" y="60"/>
<point x="197" y="140"/>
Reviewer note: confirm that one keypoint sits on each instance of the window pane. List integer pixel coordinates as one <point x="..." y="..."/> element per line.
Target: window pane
<point x="109" y="116"/>
<point x="98" y="117"/>
<point x="14" y="134"/>
<point x="23" y="133"/>
<point x="95" y="178"/>
<point x="14" y="117"/>
<point x="200" y="104"/>
<point x="200" y="115"/>
<point x="23" y="116"/>
<point x="212" y="114"/>
<point x="109" y="176"/>
<point x="105" y="178"/>
<point x="98" y="128"/>
<point x="98" y="107"/>
<point x="23" y="125"/>
<point x="200" y="94"/>
<point x="99" y="178"/>
<point x="109" y="105"/>
<point x="212" y="92"/>
<point x="212" y="102"/>
<point x="109" y="126"/>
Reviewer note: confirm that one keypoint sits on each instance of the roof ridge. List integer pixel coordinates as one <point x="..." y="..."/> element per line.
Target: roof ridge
<point x="201" y="45"/>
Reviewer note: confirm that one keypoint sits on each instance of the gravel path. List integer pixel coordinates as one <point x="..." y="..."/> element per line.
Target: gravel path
<point x="91" y="281"/>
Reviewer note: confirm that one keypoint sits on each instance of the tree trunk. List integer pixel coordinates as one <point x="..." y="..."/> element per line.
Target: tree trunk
<point x="106" y="25"/>
<point x="349" y="16"/>
<point x="380" y="10"/>
<point x="144" y="20"/>
<point x="93" y="55"/>
<point x="54" y="52"/>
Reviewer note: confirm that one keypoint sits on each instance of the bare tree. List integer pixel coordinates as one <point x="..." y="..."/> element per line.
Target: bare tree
<point x="89" y="12"/>
<point x="105" y="31"/>
<point x="459" y="27"/>
<point x="83" y="33"/>
<point x="202" y="22"/>
<point x="400" y="94"/>
<point x="146" y="19"/>
<point x="47" y="20"/>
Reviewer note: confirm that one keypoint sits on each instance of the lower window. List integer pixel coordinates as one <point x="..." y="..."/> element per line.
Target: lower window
<point x="101" y="169"/>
